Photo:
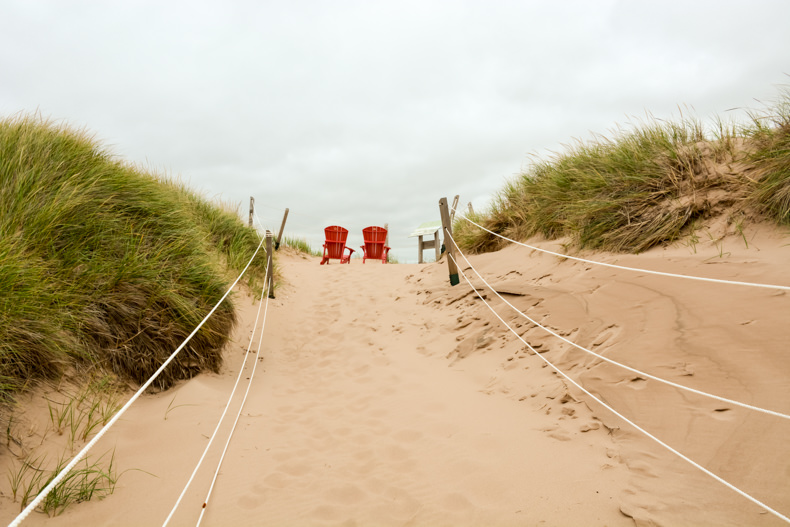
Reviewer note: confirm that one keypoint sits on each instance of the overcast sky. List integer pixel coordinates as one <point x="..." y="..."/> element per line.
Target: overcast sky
<point x="366" y="113"/>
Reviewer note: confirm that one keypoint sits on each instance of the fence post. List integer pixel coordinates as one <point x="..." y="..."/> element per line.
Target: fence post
<point x="282" y="227"/>
<point x="447" y="226"/>
<point x="455" y="207"/>
<point x="252" y="210"/>
<point x="269" y="282"/>
<point x="471" y="210"/>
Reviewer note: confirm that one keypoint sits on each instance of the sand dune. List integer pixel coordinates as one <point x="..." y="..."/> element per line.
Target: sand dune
<point x="385" y="396"/>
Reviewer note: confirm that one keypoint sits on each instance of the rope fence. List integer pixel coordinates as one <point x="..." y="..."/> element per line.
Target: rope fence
<point x="621" y="416"/>
<point x="454" y="269"/>
<point x="76" y="459"/>
<point x="625" y="268"/>
<point x="453" y="253"/>
<point x="267" y="288"/>
<point x="227" y="405"/>
<point x="611" y="361"/>
<point x="238" y="415"/>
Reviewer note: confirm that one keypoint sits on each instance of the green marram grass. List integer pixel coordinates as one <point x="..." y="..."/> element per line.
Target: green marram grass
<point x="301" y="245"/>
<point x="103" y="265"/>
<point x="770" y="137"/>
<point x="646" y="186"/>
<point x="84" y="482"/>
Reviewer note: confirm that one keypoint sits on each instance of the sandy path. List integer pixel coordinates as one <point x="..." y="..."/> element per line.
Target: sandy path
<point x="386" y="397"/>
<point x="351" y="421"/>
<point x="352" y="425"/>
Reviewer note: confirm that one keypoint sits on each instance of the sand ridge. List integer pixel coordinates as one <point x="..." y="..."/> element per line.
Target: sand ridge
<point x="384" y="396"/>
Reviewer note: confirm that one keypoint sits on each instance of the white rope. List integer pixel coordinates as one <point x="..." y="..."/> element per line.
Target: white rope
<point x="43" y="494"/>
<point x="621" y="416"/>
<point x="255" y="212"/>
<point x="610" y="361"/>
<point x="660" y="273"/>
<point x="241" y="407"/>
<point x="222" y="417"/>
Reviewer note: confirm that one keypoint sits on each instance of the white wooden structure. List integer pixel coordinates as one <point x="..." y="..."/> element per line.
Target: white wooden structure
<point x="427" y="229"/>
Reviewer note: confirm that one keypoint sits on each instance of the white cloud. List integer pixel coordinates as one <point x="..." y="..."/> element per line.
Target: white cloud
<point x="368" y="112"/>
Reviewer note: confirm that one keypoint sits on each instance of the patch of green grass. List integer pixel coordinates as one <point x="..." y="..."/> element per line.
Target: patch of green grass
<point x="645" y="186"/>
<point x="104" y="265"/>
<point x="85" y="481"/>
<point x="78" y="416"/>
<point x="771" y="158"/>
<point x="301" y="245"/>
<point x="82" y="413"/>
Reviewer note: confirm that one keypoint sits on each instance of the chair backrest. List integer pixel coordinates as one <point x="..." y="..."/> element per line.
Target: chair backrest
<point x="335" y="241"/>
<point x="374" y="237"/>
<point x="336" y="233"/>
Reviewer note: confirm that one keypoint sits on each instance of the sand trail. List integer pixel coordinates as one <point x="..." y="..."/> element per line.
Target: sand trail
<point x="384" y="396"/>
<point x="364" y="429"/>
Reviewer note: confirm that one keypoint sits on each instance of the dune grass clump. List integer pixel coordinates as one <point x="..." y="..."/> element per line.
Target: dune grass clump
<point x="84" y="482"/>
<point x="644" y="187"/>
<point x="301" y="245"/>
<point x="104" y="265"/>
<point x="771" y="156"/>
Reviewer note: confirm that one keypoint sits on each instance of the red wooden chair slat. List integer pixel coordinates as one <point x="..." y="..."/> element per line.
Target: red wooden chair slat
<point x="375" y="240"/>
<point x="335" y="245"/>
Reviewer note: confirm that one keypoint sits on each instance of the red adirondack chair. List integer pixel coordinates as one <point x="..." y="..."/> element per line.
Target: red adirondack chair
<point x="374" y="248"/>
<point x="335" y="245"/>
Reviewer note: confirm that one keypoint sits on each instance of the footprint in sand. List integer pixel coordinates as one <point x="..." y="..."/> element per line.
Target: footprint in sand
<point x="377" y="427"/>
<point x="381" y="361"/>
<point x="248" y="502"/>
<point x="326" y="513"/>
<point x="360" y="370"/>
<point x="408" y="436"/>
<point x="455" y="502"/>
<point x="295" y="469"/>
<point x="277" y="480"/>
<point x="395" y="453"/>
<point x="348" y="494"/>
<point x="342" y="432"/>
<point x="360" y="405"/>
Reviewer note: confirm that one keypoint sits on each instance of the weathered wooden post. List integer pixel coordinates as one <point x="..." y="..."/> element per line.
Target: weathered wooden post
<point x="269" y="281"/>
<point x="447" y="226"/>
<point x="471" y="210"/>
<point x="252" y="210"/>
<point x="455" y="207"/>
<point x="282" y="227"/>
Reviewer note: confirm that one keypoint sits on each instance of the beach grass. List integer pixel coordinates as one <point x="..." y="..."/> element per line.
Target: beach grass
<point x="106" y="266"/>
<point x="301" y="245"/>
<point x="87" y="480"/>
<point x="644" y="186"/>
<point x="770" y="137"/>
